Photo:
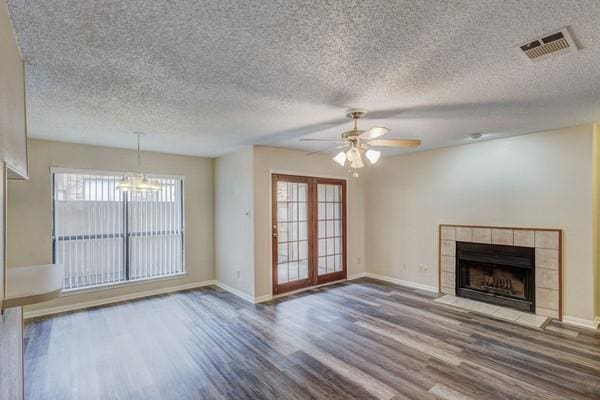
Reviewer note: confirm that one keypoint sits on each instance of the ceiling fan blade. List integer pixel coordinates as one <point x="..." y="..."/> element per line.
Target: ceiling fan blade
<point x="373" y="132"/>
<point x="325" y="151"/>
<point x="322" y="140"/>
<point x="395" y="143"/>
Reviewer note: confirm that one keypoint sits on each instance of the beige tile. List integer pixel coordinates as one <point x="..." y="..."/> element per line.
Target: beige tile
<point x="448" y="263"/>
<point x="448" y="279"/>
<point x="546" y="312"/>
<point x="546" y="298"/>
<point x="482" y="235"/>
<point x="448" y="248"/>
<point x="524" y="238"/>
<point x="546" y="278"/>
<point x="532" y="320"/>
<point x="546" y="258"/>
<point x="464" y="303"/>
<point x="546" y="239"/>
<point x="507" y="313"/>
<point x="446" y="299"/>
<point x="502" y="236"/>
<point x="448" y="233"/>
<point x="464" y="234"/>
<point x="484" y="308"/>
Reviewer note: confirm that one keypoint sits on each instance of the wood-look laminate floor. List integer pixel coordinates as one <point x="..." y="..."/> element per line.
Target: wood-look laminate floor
<point x="359" y="340"/>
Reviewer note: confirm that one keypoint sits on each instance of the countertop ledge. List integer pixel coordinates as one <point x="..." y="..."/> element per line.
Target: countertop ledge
<point x="32" y="284"/>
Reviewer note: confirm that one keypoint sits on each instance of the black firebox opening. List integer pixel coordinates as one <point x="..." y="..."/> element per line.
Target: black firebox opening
<point x="496" y="274"/>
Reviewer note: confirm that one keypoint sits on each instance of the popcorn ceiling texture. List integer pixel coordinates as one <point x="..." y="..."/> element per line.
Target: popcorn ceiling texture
<point x="204" y="77"/>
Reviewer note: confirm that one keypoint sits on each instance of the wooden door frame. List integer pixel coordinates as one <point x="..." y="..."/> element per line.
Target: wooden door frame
<point x="299" y="284"/>
<point x="312" y="213"/>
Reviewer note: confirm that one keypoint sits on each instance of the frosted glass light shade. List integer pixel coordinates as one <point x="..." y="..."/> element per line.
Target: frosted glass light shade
<point x="144" y="184"/>
<point x="124" y="184"/>
<point x="340" y="158"/>
<point x="373" y="155"/>
<point x="137" y="184"/>
<point x="353" y="154"/>
<point x="357" y="163"/>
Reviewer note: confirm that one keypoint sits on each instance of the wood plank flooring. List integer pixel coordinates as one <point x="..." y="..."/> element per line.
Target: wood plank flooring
<point x="359" y="340"/>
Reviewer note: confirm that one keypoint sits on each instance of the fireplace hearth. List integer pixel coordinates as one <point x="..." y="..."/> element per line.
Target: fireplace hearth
<point x="496" y="274"/>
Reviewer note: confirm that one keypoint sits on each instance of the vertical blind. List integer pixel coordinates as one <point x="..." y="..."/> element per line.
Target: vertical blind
<point x="102" y="236"/>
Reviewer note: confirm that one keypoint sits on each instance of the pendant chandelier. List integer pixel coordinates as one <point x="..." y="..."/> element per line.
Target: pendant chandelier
<point x="137" y="181"/>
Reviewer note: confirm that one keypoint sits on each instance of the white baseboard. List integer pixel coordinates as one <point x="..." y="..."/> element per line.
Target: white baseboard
<point x="263" y="298"/>
<point x="267" y="297"/>
<point x="410" y="284"/>
<point x="115" y="299"/>
<point x="581" y="323"/>
<point x="255" y="300"/>
<point x="237" y="292"/>
<point x="357" y="276"/>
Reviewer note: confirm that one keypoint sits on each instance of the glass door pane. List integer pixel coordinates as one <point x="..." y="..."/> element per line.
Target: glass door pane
<point x="292" y="232"/>
<point x="329" y="229"/>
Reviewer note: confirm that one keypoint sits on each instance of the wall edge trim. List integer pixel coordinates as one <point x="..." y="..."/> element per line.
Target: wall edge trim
<point x="410" y="284"/>
<point x="581" y="322"/>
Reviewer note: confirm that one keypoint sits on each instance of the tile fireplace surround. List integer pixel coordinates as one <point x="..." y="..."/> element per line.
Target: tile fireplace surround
<point x="548" y="259"/>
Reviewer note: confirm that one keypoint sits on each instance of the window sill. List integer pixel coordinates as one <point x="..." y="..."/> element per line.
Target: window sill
<point x="116" y="285"/>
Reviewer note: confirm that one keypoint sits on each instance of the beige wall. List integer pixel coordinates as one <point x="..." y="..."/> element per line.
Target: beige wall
<point x="596" y="216"/>
<point x="12" y="97"/>
<point x="268" y="160"/>
<point x="540" y="180"/>
<point x="13" y="153"/>
<point x="234" y="244"/>
<point x="29" y="220"/>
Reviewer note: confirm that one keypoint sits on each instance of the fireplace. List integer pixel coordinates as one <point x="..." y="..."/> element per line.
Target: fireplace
<point x="496" y="274"/>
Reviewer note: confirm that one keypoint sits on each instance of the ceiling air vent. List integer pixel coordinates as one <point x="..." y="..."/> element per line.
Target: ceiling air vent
<point x="548" y="46"/>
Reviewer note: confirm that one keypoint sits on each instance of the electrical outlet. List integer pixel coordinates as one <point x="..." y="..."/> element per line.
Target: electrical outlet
<point x="239" y="274"/>
<point x="404" y="267"/>
<point x="358" y="261"/>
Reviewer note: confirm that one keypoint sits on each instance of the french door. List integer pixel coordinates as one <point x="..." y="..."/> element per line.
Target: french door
<point x="308" y="231"/>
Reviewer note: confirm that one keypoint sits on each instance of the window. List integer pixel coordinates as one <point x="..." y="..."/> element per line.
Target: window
<point x="102" y="236"/>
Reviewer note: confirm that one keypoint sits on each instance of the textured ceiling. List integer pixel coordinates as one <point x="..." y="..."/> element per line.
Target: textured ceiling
<point x="205" y="77"/>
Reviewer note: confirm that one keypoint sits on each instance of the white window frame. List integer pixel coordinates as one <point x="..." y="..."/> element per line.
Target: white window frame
<point x="130" y="282"/>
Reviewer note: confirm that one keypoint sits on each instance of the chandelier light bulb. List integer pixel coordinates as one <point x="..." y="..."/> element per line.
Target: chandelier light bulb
<point x="138" y="182"/>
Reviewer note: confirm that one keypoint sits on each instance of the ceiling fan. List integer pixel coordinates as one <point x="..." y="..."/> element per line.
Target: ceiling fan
<point x="357" y="142"/>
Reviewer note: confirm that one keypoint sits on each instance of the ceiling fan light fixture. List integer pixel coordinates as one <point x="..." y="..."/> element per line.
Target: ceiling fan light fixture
<point x="340" y="158"/>
<point x="353" y="154"/>
<point x="357" y="163"/>
<point x="373" y="155"/>
<point x="357" y="142"/>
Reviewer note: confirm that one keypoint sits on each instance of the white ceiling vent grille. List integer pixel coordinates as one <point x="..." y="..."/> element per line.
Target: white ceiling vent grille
<point x="549" y="45"/>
